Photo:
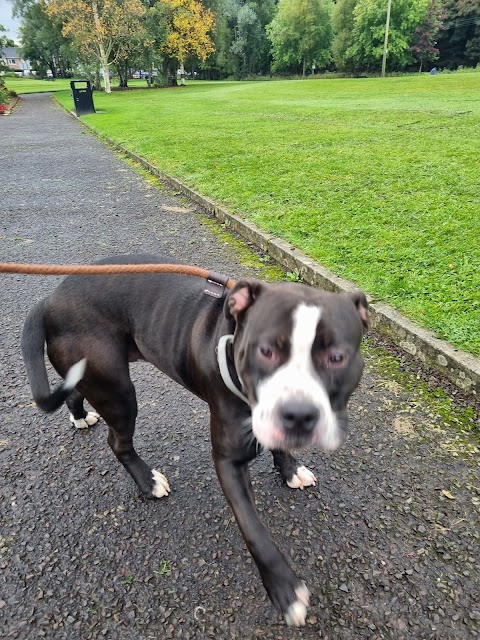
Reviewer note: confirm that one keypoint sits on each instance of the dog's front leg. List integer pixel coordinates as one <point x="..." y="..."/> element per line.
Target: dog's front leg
<point x="287" y="592"/>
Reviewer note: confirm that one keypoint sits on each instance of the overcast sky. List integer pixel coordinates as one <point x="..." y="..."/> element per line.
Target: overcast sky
<point x="11" y="24"/>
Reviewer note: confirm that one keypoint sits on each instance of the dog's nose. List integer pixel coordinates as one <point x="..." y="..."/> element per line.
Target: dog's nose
<point x="299" y="416"/>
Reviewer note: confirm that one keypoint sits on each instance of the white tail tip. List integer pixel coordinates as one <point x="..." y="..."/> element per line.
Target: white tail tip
<point x="75" y="374"/>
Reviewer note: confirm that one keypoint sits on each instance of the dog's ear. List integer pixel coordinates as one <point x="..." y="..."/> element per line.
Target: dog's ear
<point x="241" y="297"/>
<point x="359" y="299"/>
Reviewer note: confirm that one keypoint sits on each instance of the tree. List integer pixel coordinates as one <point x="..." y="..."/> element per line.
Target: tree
<point x="343" y="22"/>
<point x="241" y="47"/>
<point x="189" y="25"/>
<point x="242" y="44"/>
<point x="223" y="63"/>
<point x="369" y="32"/>
<point x="426" y="34"/>
<point x="301" y="34"/>
<point x="459" y="42"/>
<point x="103" y="29"/>
<point x="42" y="41"/>
<point x="150" y="49"/>
<point x="5" y="41"/>
<point x="469" y="10"/>
<point x="260" y="47"/>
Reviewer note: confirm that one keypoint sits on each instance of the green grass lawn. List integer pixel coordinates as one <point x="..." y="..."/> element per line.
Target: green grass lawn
<point x="32" y="85"/>
<point x="378" y="179"/>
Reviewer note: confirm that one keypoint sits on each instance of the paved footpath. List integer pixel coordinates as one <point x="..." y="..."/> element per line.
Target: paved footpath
<point x="388" y="542"/>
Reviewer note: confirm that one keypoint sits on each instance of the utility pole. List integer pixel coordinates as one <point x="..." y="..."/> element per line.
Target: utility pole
<point x="385" y="44"/>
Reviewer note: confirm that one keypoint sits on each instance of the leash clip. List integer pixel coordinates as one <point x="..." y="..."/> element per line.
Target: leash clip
<point x="215" y="285"/>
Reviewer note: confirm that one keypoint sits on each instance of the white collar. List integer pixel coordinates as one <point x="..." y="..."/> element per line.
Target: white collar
<point x="223" y="365"/>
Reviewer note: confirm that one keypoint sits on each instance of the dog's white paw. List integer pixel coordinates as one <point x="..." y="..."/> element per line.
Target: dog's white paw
<point x="297" y="611"/>
<point x="302" y="478"/>
<point x="161" y="487"/>
<point x="90" y="419"/>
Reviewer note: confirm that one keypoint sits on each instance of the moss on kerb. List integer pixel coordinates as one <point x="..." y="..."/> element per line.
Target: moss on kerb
<point x="148" y="175"/>
<point x="246" y="257"/>
<point x="424" y="351"/>
<point x="436" y="400"/>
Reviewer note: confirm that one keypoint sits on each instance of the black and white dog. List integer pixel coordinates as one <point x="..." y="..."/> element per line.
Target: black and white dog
<point x="276" y="364"/>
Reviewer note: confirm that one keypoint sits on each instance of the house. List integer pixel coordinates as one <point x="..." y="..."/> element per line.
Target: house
<point x="11" y="58"/>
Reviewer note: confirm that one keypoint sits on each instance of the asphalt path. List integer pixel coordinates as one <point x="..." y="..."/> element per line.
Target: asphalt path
<point x="387" y="542"/>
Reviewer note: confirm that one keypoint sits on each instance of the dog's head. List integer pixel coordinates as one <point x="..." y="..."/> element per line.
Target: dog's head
<point x="297" y="355"/>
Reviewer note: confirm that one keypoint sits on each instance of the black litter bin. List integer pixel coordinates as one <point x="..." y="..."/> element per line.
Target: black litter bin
<point x="82" y="97"/>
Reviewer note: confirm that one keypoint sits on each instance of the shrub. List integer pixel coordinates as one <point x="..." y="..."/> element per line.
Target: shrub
<point x="4" y="95"/>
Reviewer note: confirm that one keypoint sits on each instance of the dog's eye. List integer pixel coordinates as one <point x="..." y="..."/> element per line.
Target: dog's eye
<point x="336" y="359"/>
<point x="266" y="352"/>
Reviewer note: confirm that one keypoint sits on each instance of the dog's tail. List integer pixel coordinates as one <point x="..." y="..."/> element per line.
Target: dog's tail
<point x="33" y="344"/>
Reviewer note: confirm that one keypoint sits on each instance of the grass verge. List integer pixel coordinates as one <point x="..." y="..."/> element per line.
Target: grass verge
<point x="32" y="85"/>
<point x="375" y="178"/>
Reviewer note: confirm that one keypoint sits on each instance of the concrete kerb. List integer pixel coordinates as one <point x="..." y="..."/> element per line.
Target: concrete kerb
<point x="461" y="368"/>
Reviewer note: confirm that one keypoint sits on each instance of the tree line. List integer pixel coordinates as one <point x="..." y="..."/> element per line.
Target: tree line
<point x="245" y="38"/>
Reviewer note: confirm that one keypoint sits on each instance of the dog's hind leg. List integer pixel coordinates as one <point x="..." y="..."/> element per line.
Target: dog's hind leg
<point x="79" y="417"/>
<point x="295" y="475"/>
<point x="114" y="398"/>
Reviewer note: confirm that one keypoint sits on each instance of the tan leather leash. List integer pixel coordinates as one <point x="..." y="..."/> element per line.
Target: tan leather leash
<point x="212" y="277"/>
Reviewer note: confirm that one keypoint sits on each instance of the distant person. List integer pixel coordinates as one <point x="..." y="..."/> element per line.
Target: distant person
<point x="433" y="71"/>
